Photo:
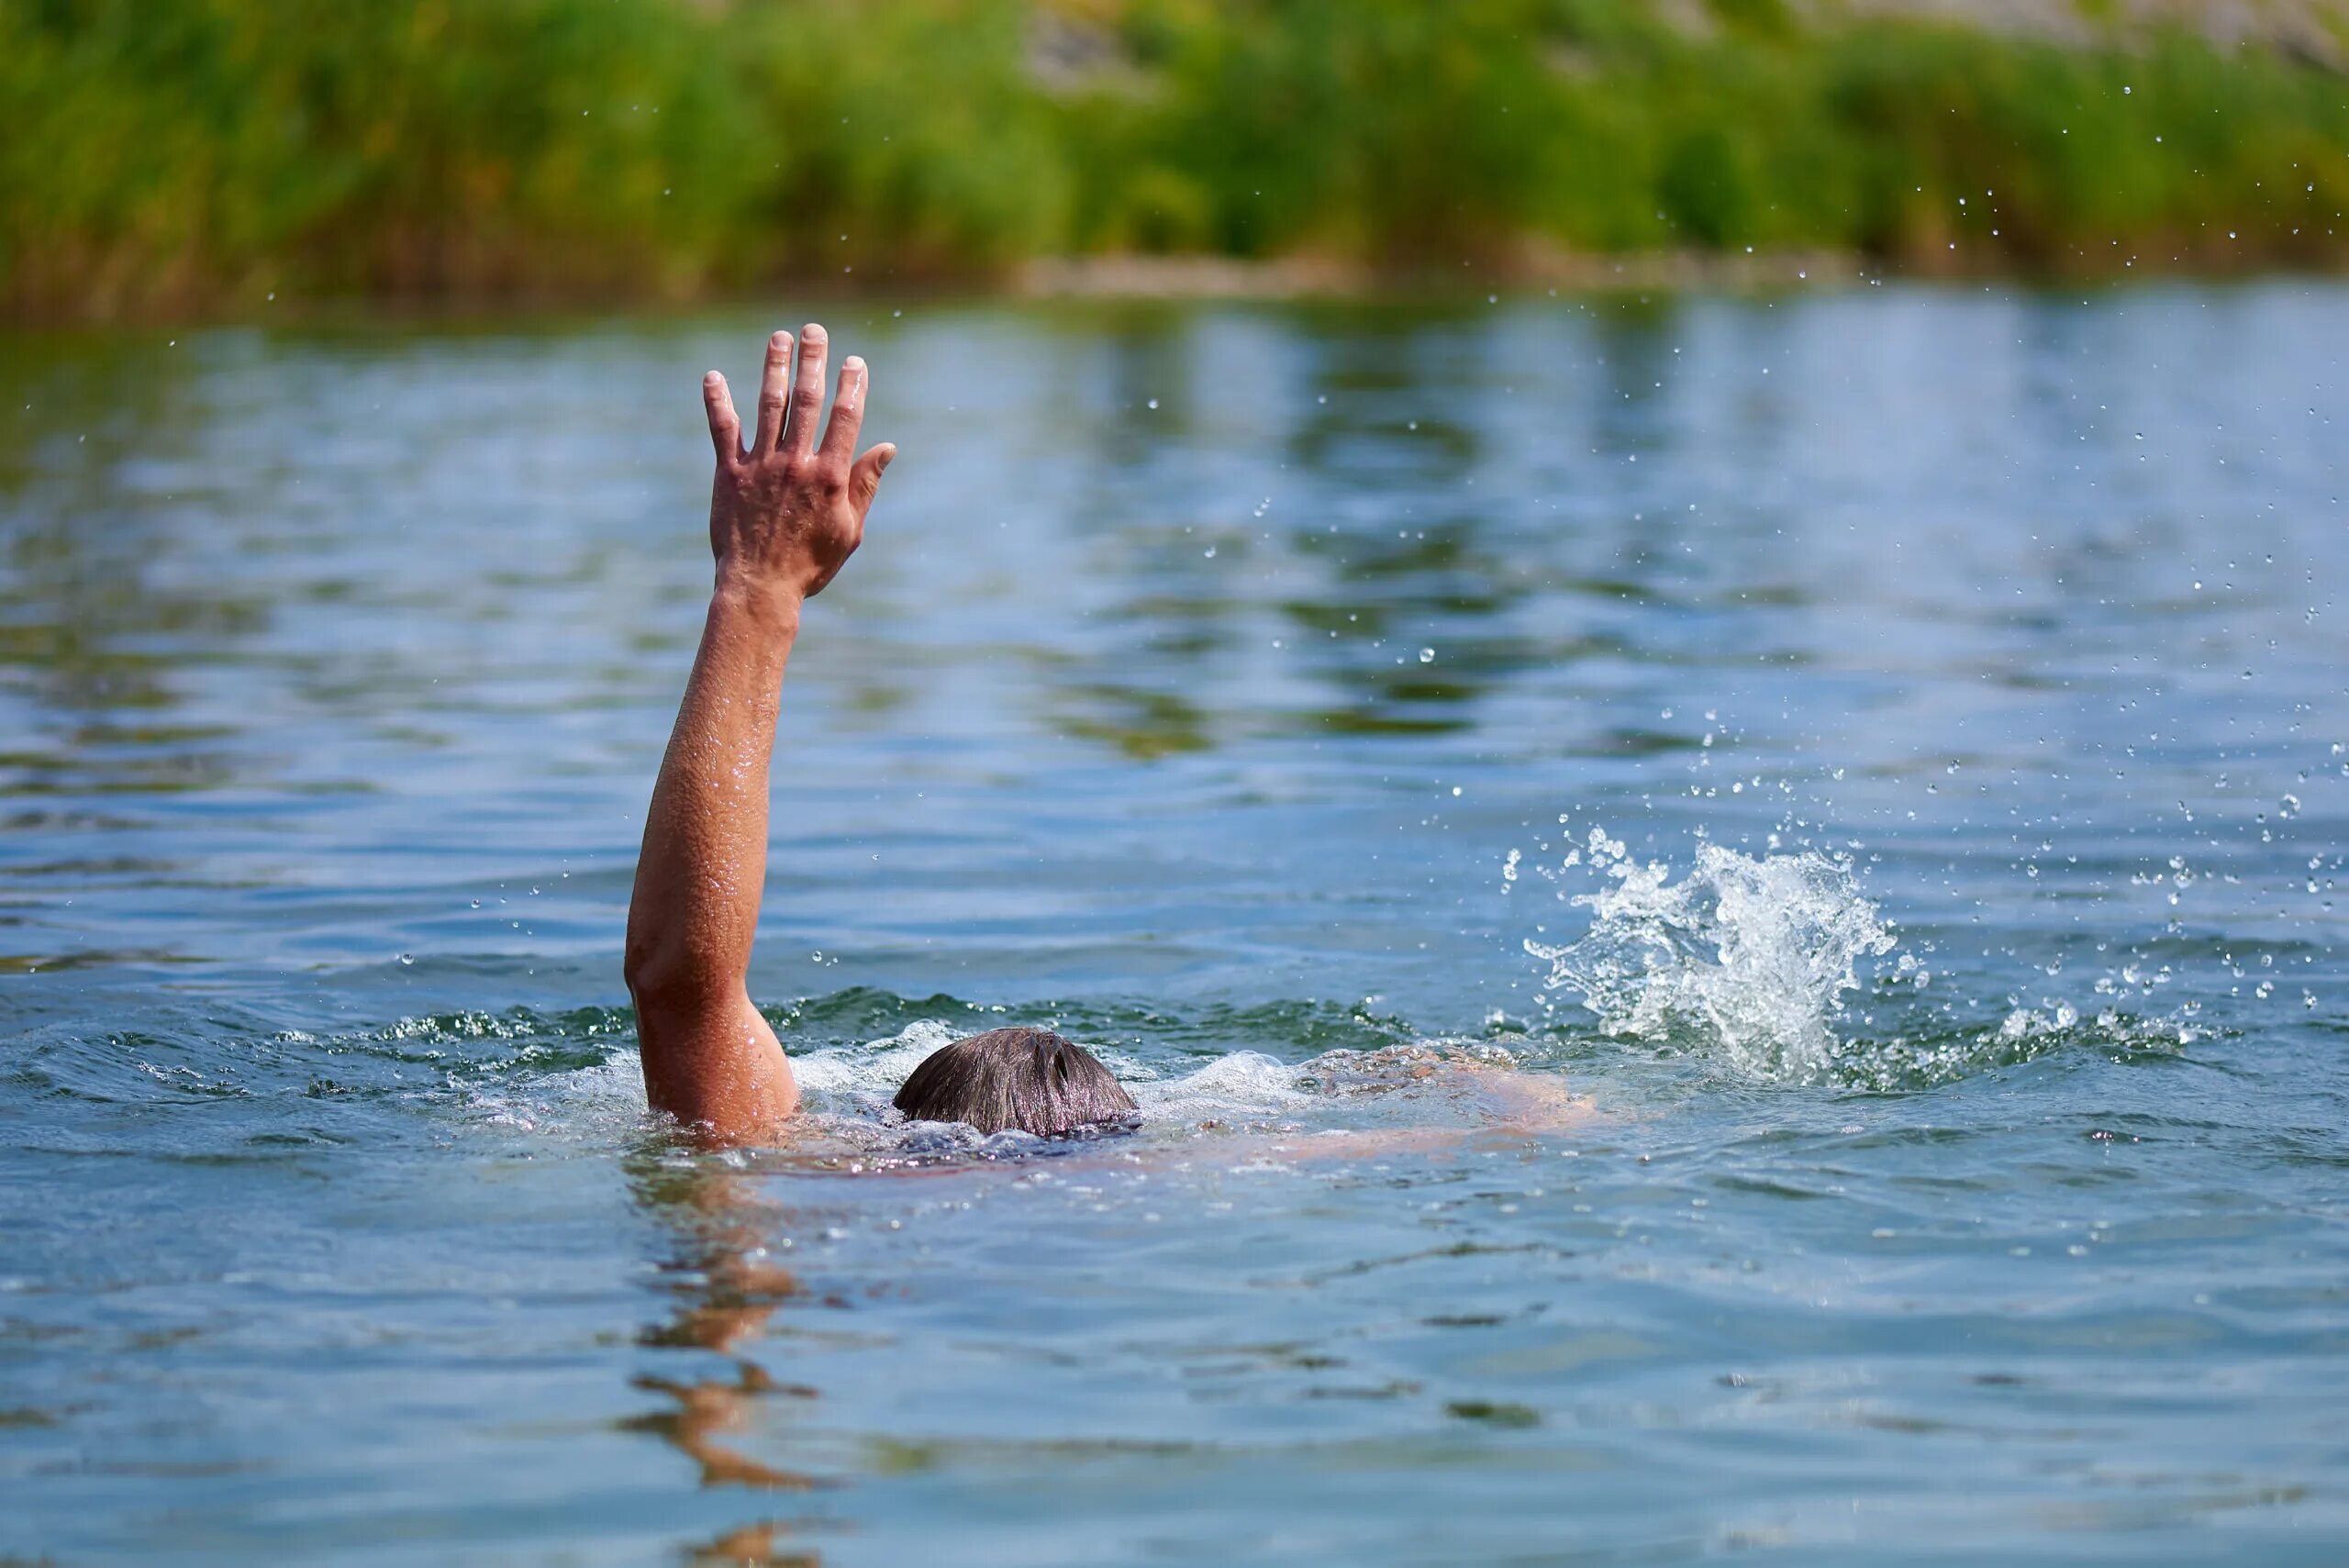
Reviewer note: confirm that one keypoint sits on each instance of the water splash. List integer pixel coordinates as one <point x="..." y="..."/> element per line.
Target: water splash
<point x="1756" y="954"/>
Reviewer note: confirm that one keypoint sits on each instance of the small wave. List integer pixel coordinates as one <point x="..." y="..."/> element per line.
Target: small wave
<point x="1942" y="1052"/>
<point x="1244" y="1085"/>
<point x="597" y="1104"/>
<point x="875" y="1067"/>
<point x="572" y="1076"/>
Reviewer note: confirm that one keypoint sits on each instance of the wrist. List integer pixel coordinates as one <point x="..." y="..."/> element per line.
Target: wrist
<point x="764" y="598"/>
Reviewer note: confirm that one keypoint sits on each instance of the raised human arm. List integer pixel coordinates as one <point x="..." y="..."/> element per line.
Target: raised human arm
<point x="784" y="517"/>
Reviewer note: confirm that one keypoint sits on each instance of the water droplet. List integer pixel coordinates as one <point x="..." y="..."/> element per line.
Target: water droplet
<point x="1427" y="656"/>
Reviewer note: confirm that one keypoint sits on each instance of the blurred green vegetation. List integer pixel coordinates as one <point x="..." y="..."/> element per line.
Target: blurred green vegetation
<point x="198" y="155"/>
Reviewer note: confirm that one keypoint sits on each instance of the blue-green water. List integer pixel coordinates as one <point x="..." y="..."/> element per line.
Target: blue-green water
<point x="1227" y="686"/>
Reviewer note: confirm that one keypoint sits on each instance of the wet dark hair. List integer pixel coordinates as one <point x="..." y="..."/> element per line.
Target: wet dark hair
<point x="1031" y="1079"/>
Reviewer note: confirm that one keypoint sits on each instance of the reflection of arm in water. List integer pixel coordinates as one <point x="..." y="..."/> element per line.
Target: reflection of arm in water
<point x="784" y="517"/>
<point x="728" y="1292"/>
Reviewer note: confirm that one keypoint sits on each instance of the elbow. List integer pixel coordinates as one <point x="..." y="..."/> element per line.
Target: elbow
<point x="662" y="971"/>
<point x="640" y="963"/>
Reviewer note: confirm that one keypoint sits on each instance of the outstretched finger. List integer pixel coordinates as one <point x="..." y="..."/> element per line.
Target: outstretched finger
<point x="848" y="411"/>
<point x="771" y="395"/>
<point x="808" y="394"/>
<point x="865" y="478"/>
<point x="724" y="426"/>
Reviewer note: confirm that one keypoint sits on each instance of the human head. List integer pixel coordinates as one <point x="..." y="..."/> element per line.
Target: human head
<point x="1031" y="1079"/>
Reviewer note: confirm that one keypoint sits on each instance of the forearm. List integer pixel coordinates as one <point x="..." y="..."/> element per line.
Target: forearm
<point x="703" y="867"/>
<point x="704" y="864"/>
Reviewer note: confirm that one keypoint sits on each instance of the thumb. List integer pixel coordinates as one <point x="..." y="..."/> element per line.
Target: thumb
<point x="865" y="478"/>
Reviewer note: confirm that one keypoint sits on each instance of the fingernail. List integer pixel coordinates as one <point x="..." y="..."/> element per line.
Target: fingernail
<point x="712" y="378"/>
<point x="780" y="340"/>
<point x="854" y="363"/>
<point x="813" y="331"/>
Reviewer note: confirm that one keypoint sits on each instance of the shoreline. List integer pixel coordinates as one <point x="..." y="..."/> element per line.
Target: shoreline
<point x="1128" y="280"/>
<point x="1305" y="277"/>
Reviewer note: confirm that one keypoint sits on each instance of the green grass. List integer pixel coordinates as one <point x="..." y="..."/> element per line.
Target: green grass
<point x="198" y="155"/>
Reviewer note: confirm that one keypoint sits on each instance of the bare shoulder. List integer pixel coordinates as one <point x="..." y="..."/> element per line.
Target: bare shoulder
<point x="1509" y="1105"/>
<point x="1529" y="1102"/>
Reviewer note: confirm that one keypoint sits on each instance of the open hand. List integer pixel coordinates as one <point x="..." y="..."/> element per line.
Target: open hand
<point x="787" y="514"/>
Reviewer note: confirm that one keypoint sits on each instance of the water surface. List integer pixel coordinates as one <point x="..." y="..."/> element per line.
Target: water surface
<point x="1242" y="691"/>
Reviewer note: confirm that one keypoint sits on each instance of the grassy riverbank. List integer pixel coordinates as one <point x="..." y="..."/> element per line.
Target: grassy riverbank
<point x="179" y="156"/>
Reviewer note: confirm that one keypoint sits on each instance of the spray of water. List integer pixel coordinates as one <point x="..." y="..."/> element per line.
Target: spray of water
<point x="1756" y="954"/>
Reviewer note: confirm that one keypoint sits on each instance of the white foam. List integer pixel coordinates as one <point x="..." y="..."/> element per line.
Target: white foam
<point x="1244" y="1083"/>
<point x="602" y="1102"/>
<point x="877" y="1066"/>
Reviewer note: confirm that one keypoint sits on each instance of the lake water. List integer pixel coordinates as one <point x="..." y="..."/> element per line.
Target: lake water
<point x="1296" y="704"/>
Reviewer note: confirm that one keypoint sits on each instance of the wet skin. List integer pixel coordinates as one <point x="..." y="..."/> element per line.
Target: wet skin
<point x="784" y="515"/>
